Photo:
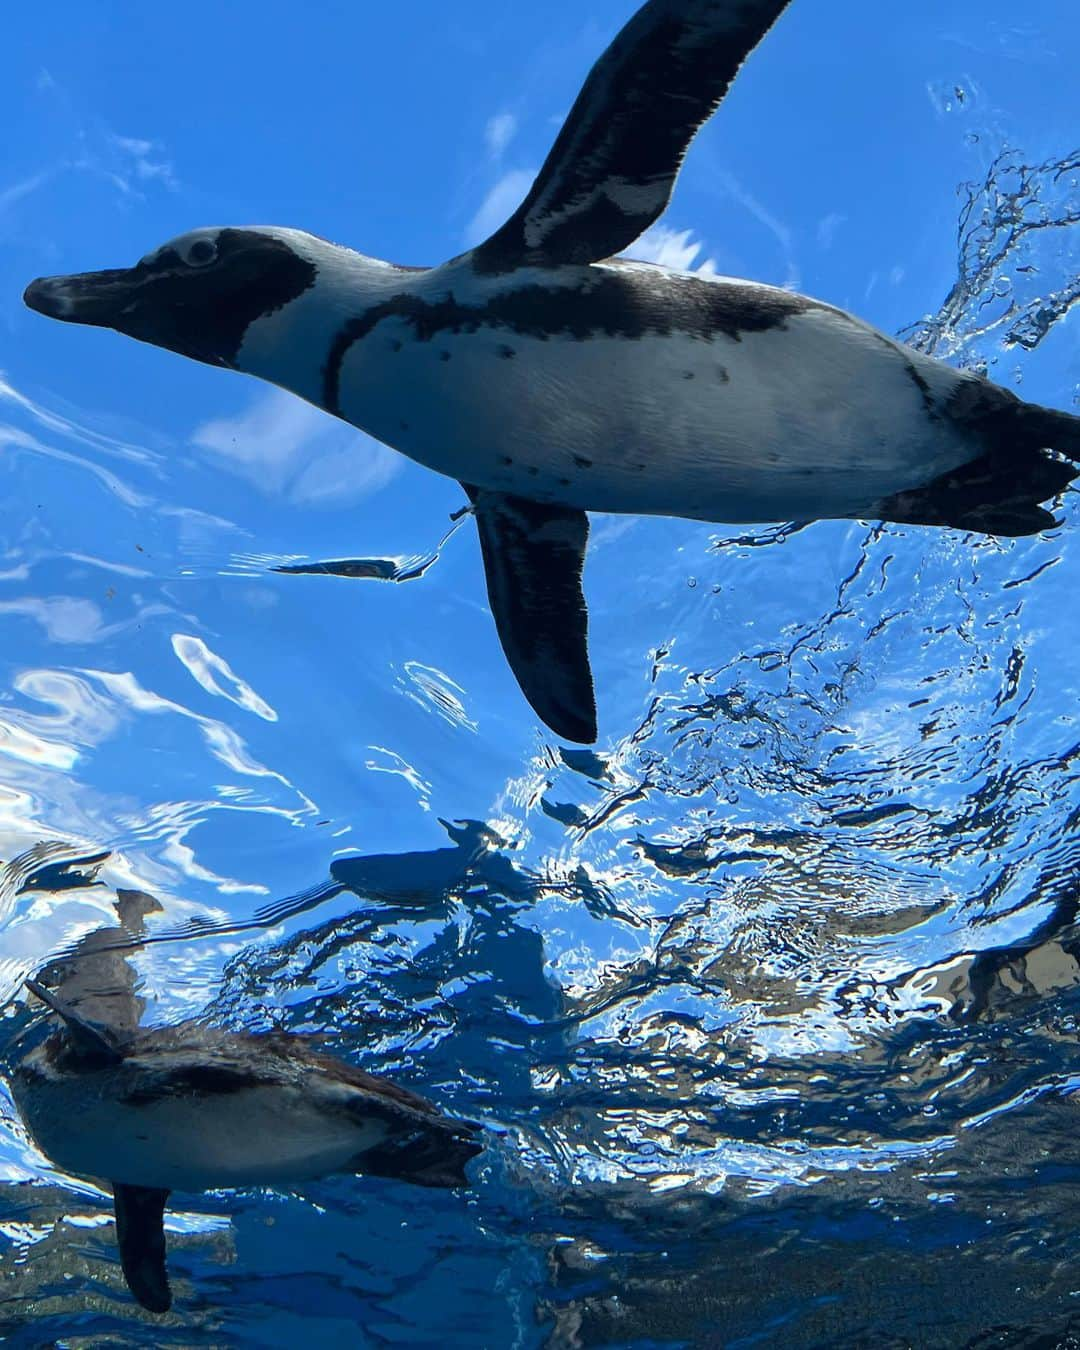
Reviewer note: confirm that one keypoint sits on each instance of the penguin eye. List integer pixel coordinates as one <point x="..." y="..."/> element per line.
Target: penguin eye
<point x="201" y="252"/>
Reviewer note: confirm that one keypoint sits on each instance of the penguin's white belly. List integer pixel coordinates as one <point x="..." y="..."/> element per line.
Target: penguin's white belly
<point x="822" y="417"/>
<point x="257" y="1136"/>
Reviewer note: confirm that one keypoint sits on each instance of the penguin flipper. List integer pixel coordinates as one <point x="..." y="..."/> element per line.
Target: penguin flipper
<point x="610" y="173"/>
<point x="140" y="1235"/>
<point x="89" y="1038"/>
<point x="533" y="556"/>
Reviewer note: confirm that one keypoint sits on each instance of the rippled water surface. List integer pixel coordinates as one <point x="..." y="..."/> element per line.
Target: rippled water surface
<point x="770" y="1003"/>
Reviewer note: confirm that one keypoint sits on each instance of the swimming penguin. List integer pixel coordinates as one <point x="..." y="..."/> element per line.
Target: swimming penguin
<point x="191" y="1108"/>
<point x="552" y="378"/>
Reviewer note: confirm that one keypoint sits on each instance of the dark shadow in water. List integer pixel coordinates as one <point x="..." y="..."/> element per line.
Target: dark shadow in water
<point x="470" y="1009"/>
<point x="378" y="569"/>
<point x="68" y="874"/>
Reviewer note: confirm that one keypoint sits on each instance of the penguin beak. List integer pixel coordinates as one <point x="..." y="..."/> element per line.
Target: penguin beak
<point x="98" y="298"/>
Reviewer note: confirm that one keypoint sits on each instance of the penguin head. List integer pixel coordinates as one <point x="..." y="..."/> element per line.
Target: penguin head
<point x="196" y="295"/>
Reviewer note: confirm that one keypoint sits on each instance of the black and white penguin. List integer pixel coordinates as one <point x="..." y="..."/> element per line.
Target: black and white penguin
<point x="190" y="1108"/>
<point x="552" y="379"/>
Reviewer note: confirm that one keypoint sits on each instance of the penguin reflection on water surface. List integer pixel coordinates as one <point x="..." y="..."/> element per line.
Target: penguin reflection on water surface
<point x="192" y="1108"/>
<point x="552" y="378"/>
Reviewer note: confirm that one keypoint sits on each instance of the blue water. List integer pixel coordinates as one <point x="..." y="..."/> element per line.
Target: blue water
<point x="770" y="1003"/>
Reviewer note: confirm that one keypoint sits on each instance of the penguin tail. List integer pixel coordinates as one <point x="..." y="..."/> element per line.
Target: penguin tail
<point x="1029" y="455"/>
<point x="434" y="1157"/>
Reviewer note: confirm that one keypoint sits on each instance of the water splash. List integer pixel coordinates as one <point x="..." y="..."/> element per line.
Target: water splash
<point x="1016" y="233"/>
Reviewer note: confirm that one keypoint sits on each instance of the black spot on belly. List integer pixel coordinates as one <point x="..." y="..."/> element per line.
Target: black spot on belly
<point x="404" y="426"/>
<point x="395" y="344"/>
<point x="688" y="374"/>
<point x="533" y="470"/>
<point x="564" y="482"/>
<point x="444" y="355"/>
<point x="722" y="375"/>
<point x="505" y="459"/>
<point x="582" y="462"/>
<point x="507" y="353"/>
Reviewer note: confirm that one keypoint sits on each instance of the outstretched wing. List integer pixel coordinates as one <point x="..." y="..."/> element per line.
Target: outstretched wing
<point x="533" y="558"/>
<point x="611" y="171"/>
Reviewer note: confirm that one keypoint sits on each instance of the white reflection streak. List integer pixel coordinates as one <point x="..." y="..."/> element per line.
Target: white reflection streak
<point x="17" y="191"/>
<point x="11" y="437"/>
<point x="17" y="743"/>
<point x="89" y="716"/>
<point x="203" y="664"/>
<point x="63" y="618"/>
<point x="72" y="430"/>
<point x="224" y="743"/>
<point x="106" y="565"/>
<point x="82" y="713"/>
<point x="435" y="690"/>
<point x="402" y="769"/>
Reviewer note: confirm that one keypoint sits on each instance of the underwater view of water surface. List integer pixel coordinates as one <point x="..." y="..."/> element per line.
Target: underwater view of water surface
<point x="768" y="1003"/>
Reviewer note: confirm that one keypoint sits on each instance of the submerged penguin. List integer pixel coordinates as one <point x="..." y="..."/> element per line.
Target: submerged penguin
<point x="191" y="1108"/>
<point x="552" y="379"/>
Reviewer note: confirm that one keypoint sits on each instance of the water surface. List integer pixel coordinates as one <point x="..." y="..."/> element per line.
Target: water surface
<point x="769" y="1001"/>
